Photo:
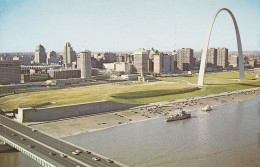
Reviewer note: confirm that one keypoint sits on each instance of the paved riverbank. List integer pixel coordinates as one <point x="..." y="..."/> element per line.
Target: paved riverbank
<point x="77" y="125"/>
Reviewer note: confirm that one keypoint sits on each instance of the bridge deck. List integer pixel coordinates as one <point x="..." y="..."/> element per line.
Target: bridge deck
<point x="43" y="144"/>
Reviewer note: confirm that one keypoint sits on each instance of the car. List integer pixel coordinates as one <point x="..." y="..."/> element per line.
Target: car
<point x="13" y="134"/>
<point x="75" y="153"/>
<point x="78" y="151"/>
<point x="34" y="130"/>
<point x="52" y="154"/>
<point x="110" y="161"/>
<point x="30" y="146"/>
<point x="87" y="152"/>
<point x="96" y="158"/>
<point x="63" y="155"/>
<point x="22" y="138"/>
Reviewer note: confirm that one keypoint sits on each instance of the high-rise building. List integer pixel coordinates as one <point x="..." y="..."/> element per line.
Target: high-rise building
<point x="85" y="64"/>
<point x="40" y="55"/>
<point x="52" y="58"/>
<point x="163" y="63"/>
<point x="141" y="59"/>
<point x="10" y="72"/>
<point x="222" y="57"/>
<point x="69" y="55"/>
<point x="185" y="59"/>
<point x="211" y="59"/>
<point x="234" y="61"/>
<point x="151" y="52"/>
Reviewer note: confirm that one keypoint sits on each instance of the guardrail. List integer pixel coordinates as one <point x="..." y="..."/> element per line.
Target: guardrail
<point x="28" y="153"/>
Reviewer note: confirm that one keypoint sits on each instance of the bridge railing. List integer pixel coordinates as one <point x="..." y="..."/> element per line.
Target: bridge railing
<point x="26" y="152"/>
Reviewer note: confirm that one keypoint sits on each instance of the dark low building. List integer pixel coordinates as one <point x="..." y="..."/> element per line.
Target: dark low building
<point x="64" y="73"/>
<point x="10" y="72"/>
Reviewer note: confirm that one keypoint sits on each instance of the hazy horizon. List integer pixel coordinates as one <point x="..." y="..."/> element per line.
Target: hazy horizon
<point x="120" y="26"/>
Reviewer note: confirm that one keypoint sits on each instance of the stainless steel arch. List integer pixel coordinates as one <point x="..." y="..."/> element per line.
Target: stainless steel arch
<point x="205" y="48"/>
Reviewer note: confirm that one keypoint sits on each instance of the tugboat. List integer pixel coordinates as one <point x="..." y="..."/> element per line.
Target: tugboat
<point x="206" y="108"/>
<point x="180" y="116"/>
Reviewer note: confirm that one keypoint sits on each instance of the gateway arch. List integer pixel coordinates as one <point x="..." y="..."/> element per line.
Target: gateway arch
<point x="205" y="48"/>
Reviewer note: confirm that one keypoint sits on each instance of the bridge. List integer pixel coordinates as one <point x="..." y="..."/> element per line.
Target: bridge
<point x="47" y="150"/>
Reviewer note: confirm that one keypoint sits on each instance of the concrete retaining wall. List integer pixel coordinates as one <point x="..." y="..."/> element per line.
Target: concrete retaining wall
<point x="53" y="113"/>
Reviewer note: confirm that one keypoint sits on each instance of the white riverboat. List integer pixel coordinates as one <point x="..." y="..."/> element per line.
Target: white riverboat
<point x="180" y="116"/>
<point x="206" y="108"/>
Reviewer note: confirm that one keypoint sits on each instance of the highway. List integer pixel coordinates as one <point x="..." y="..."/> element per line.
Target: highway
<point x="37" y="149"/>
<point x="56" y="144"/>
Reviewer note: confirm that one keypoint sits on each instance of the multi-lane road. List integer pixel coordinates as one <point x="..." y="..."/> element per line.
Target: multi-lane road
<point x="44" y="144"/>
<point x="37" y="149"/>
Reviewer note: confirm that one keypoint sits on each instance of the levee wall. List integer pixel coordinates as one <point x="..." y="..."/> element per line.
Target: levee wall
<point x="66" y="111"/>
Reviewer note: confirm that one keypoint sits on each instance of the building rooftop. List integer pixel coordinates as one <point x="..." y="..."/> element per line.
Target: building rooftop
<point x="140" y="51"/>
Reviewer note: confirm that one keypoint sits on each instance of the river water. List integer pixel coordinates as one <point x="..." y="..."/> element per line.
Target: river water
<point x="226" y="136"/>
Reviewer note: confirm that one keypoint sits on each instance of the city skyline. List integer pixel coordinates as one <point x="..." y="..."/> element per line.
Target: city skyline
<point x="125" y="26"/>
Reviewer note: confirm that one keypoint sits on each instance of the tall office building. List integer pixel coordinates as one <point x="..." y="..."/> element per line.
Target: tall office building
<point x="85" y="64"/>
<point x="52" y="58"/>
<point x="40" y="55"/>
<point x="234" y="61"/>
<point x="212" y="58"/>
<point x="151" y="52"/>
<point x="163" y="63"/>
<point x="185" y="59"/>
<point x="222" y="57"/>
<point x="69" y="55"/>
<point x="141" y="59"/>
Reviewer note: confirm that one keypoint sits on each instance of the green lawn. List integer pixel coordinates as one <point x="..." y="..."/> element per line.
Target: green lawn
<point x="167" y="89"/>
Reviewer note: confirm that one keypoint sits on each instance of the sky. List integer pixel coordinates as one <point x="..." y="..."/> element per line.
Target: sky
<point x="125" y="25"/>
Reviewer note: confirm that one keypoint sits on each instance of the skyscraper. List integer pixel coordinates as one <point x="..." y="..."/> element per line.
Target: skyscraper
<point x="69" y="55"/>
<point x="184" y="59"/>
<point x="52" y="57"/>
<point x="212" y="58"/>
<point x="40" y="55"/>
<point x="141" y="59"/>
<point x="85" y="64"/>
<point x="222" y="57"/>
<point x="163" y="63"/>
<point x="234" y="61"/>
